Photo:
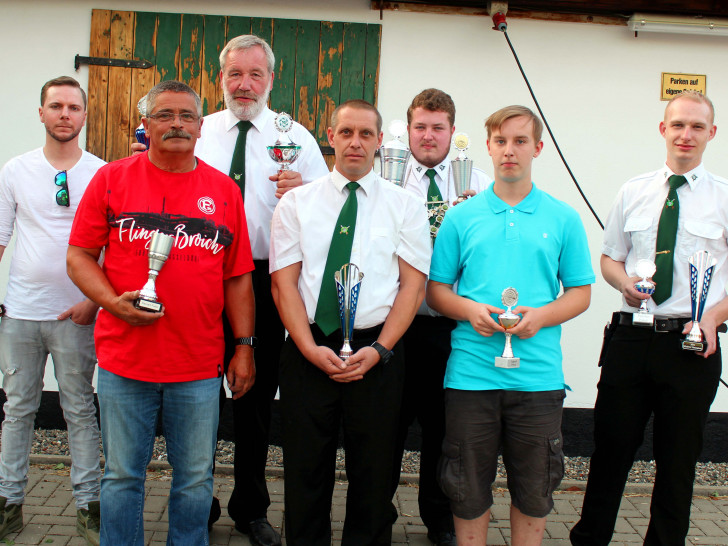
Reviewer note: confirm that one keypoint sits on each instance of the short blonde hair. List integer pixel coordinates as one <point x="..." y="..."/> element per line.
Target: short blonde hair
<point x="497" y="119"/>
<point x="695" y="96"/>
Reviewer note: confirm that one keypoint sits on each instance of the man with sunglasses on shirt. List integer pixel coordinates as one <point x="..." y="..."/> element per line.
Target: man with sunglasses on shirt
<point x="43" y="311"/>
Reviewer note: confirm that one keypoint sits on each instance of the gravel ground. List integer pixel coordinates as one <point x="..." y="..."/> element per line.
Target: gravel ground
<point x="55" y="442"/>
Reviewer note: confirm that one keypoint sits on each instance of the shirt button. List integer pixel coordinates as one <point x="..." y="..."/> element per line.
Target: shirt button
<point x="512" y="211"/>
<point x="511" y="224"/>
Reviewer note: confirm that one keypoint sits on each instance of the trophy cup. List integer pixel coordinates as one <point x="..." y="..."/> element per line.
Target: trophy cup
<point x="702" y="264"/>
<point x="394" y="154"/>
<point x="159" y="248"/>
<point x="462" y="167"/>
<point x="508" y="320"/>
<point x="141" y="133"/>
<point x="284" y="151"/>
<point x="644" y="269"/>
<point x="348" y="282"/>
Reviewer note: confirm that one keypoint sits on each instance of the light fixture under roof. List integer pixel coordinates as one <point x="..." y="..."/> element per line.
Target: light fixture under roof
<point x="705" y="26"/>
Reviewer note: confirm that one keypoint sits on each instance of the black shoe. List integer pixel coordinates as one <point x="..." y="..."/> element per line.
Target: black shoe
<point x="442" y="538"/>
<point x="261" y="532"/>
<point x="214" y="513"/>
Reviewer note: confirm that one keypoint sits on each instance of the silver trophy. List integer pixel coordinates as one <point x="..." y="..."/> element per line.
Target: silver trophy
<point x="159" y="248"/>
<point x="348" y="282"/>
<point x="644" y="269"/>
<point x="508" y="320"/>
<point x="462" y="167"/>
<point x="394" y="154"/>
<point x="702" y="264"/>
<point x="284" y="151"/>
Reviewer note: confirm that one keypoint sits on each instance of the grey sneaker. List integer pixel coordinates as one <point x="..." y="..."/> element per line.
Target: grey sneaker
<point x="11" y="517"/>
<point x="88" y="523"/>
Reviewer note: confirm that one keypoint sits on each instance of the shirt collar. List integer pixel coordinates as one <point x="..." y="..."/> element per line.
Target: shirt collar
<point x="693" y="177"/>
<point x="340" y="181"/>
<point x="528" y="204"/>
<point x="419" y="169"/>
<point x="259" y="121"/>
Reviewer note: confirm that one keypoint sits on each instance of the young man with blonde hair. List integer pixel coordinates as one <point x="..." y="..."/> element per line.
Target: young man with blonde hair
<point x="664" y="216"/>
<point x="512" y="235"/>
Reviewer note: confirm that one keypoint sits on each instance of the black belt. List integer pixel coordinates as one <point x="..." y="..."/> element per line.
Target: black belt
<point x="660" y="325"/>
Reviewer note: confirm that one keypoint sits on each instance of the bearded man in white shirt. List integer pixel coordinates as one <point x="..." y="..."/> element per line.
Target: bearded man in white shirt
<point x="44" y="313"/>
<point x="388" y="240"/>
<point x="247" y="70"/>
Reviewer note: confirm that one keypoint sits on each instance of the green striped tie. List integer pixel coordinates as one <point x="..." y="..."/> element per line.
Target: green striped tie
<point x="327" y="309"/>
<point x="237" y="167"/>
<point x="433" y="192"/>
<point x="665" y="246"/>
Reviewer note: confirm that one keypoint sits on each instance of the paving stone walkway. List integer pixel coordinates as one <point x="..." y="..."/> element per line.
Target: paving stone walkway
<point x="50" y="514"/>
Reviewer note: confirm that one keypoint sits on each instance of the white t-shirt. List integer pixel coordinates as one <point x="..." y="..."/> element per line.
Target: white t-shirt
<point x="39" y="287"/>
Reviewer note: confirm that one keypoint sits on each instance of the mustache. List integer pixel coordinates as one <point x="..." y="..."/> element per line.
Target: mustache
<point x="176" y="133"/>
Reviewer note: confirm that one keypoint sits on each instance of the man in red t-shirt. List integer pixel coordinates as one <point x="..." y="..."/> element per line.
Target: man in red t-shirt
<point x="168" y="362"/>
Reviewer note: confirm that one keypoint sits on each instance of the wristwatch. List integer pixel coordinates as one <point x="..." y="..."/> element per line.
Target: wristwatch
<point x="252" y="341"/>
<point x="384" y="354"/>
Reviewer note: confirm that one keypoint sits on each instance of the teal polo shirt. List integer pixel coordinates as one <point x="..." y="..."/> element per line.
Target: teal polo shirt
<point x="486" y="246"/>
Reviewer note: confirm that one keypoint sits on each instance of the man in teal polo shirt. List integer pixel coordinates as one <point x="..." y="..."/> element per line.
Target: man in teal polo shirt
<point x="511" y="235"/>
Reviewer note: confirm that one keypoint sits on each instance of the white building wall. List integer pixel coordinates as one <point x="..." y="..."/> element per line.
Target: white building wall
<point x="598" y="86"/>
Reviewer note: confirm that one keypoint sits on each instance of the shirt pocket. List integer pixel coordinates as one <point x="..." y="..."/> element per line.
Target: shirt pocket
<point x="697" y="235"/>
<point x="641" y="231"/>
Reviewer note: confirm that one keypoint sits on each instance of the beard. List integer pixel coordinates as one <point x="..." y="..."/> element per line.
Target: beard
<point x="62" y="138"/>
<point x="246" y="112"/>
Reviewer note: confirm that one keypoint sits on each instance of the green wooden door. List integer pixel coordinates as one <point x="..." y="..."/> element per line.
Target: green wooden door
<point x="319" y="64"/>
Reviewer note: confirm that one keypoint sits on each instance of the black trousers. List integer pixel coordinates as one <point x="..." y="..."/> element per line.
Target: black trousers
<point x="252" y="413"/>
<point x="313" y="410"/>
<point x="643" y="373"/>
<point x="426" y="348"/>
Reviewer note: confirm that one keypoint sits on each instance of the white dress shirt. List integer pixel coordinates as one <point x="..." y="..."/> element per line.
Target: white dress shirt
<point x="216" y="148"/>
<point x="390" y="223"/>
<point x="417" y="182"/>
<point x="631" y="232"/>
<point x="38" y="286"/>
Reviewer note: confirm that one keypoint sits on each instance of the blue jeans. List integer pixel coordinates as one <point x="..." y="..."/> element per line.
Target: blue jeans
<point x="129" y="411"/>
<point x="24" y="349"/>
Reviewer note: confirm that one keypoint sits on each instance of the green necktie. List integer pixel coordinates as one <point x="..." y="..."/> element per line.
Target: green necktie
<point x="433" y="192"/>
<point x="665" y="246"/>
<point x="237" y="167"/>
<point x="327" y="309"/>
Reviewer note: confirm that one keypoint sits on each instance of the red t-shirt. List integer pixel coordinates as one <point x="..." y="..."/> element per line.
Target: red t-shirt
<point x="125" y="203"/>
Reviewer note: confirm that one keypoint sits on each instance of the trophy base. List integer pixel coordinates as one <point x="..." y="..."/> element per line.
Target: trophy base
<point x="643" y="319"/>
<point x="507" y="362"/>
<point x="698" y="346"/>
<point x="151" y="306"/>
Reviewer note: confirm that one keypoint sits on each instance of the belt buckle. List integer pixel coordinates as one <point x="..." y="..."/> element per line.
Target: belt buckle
<point x="662" y="325"/>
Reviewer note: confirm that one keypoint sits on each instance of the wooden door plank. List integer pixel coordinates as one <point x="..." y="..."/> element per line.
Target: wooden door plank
<point x="145" y="48"/>
<point x="263" y="28"/>
<point x="284" y="47"/>
<point x="98" y="83"/>
<point x="307" y="67"/>
<point x="214" y="41"/>
<point x="168" y="37"/>
<point x="371" y="69"/>
<point x="191" y="50"/>
<point x="329" y="80"/>
<point x="352" y="61"/>
<point x="237" y="26"/>
<point x="118" y="137"/>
